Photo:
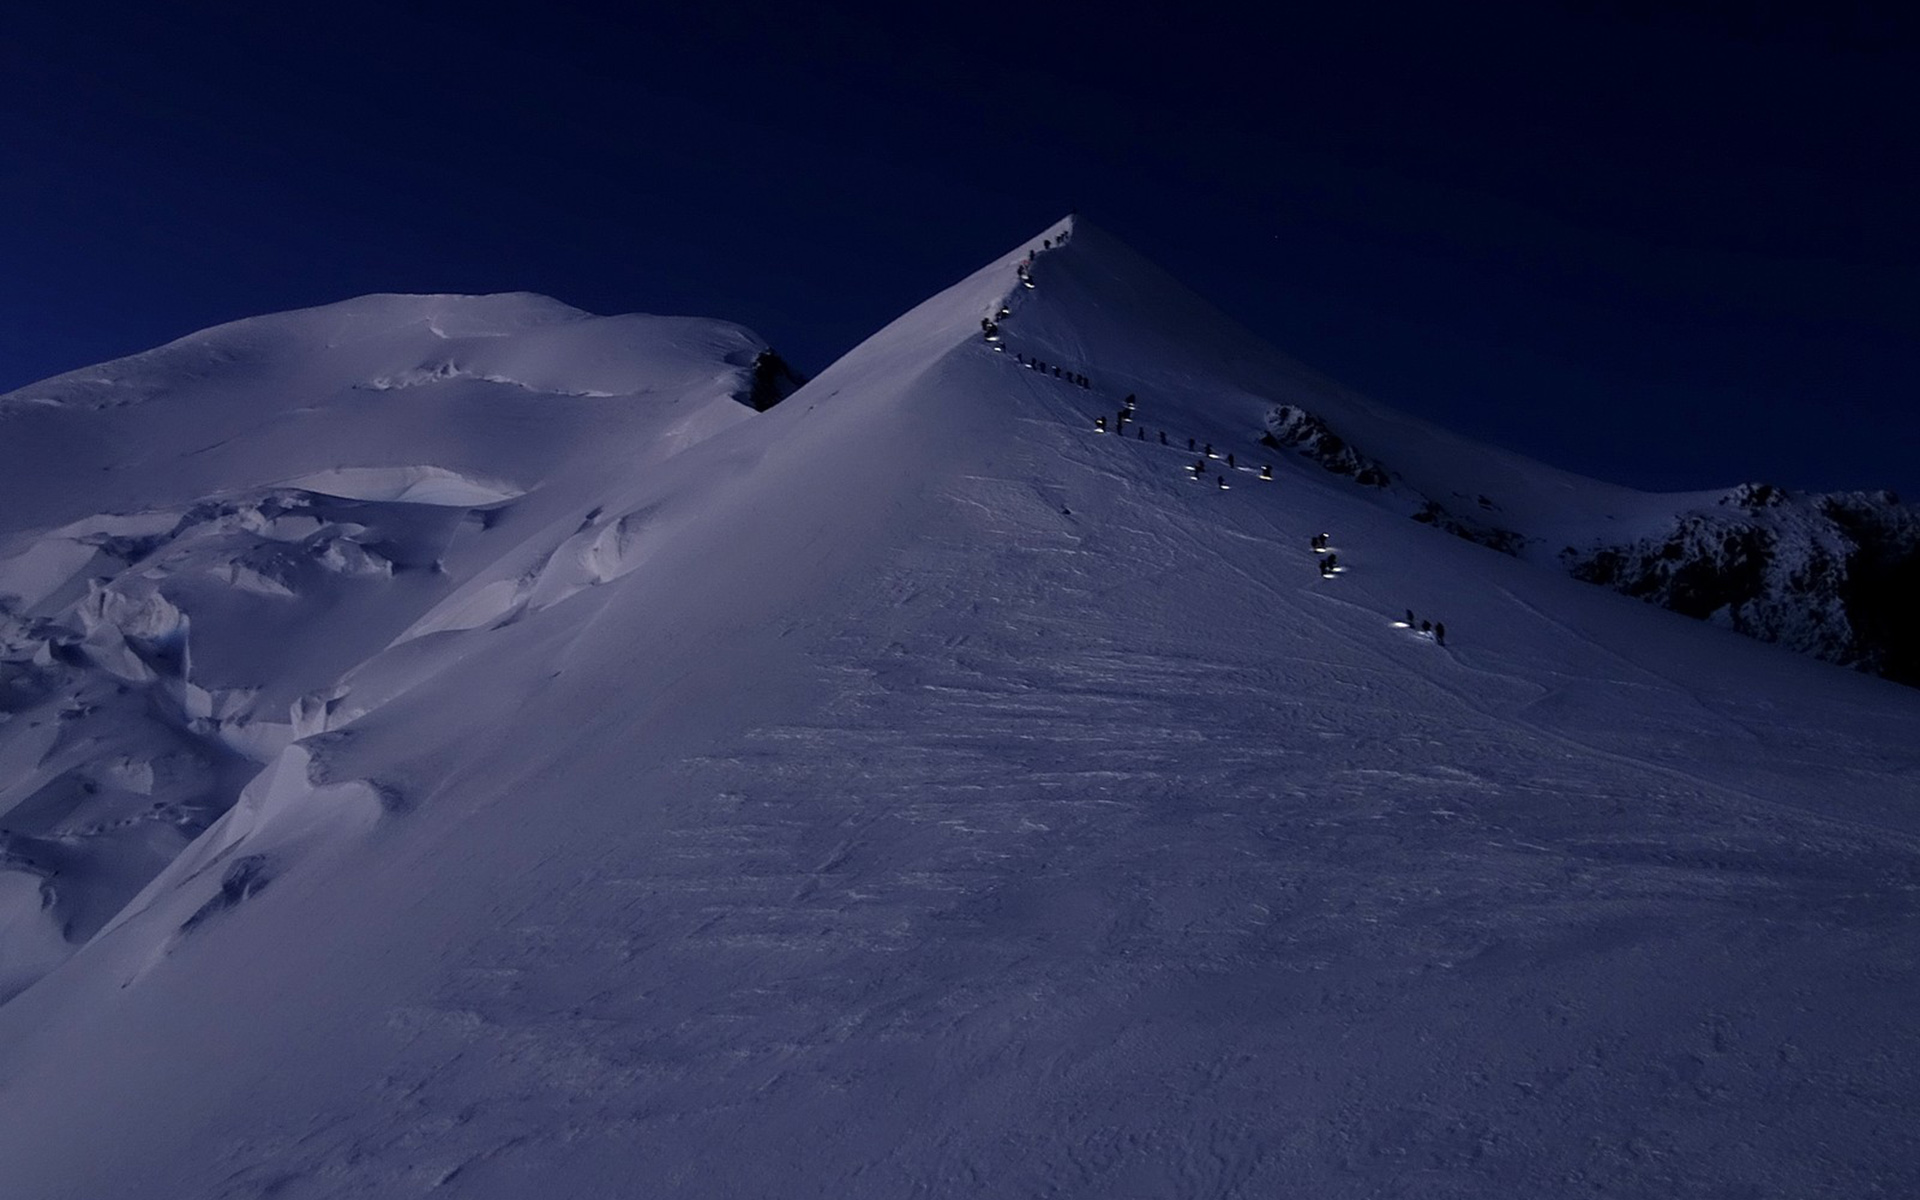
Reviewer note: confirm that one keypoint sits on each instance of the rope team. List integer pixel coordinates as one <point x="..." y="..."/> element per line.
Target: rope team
<point x="1328" y="562"/>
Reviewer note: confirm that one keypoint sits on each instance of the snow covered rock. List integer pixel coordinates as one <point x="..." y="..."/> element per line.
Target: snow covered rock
<point x="1298" y="429"/>
<point x="1836" y="576"/>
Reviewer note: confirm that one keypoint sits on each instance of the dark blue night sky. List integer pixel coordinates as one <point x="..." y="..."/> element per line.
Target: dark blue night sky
<point x="1670" y="245"/>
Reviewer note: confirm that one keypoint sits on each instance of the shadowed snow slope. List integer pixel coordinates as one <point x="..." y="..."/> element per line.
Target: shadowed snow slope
<point x="909" y="791"/>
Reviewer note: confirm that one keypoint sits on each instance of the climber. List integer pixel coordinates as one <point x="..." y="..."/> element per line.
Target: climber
<point x="1266" y="471"/>
<point x="1099" y="424"/>
<point x="1439" y="633"/>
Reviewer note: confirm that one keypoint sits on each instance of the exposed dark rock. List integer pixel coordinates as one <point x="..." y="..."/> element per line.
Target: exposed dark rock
<point x="1297" y="429"/>
<point x="773" y="381"/>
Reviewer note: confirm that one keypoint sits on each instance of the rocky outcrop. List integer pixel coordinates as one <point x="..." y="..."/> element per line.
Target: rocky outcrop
<point x="1836" y="576"/>
<point x="773" y="381"/>
<point x="1293" y="428"/>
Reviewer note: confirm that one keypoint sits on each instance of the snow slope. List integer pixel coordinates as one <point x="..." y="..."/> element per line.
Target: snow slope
<point x="908" y="790"/>
<point x="195" y="539"/>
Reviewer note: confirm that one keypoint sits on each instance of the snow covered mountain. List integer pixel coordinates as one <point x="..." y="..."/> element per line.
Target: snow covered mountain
<point x="457" y="746"/>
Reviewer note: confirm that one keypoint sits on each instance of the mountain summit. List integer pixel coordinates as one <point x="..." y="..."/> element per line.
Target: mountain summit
<point x="469" y="749"/>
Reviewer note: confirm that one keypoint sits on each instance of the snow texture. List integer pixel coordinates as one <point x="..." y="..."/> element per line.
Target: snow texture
<point x="902" y="790"/>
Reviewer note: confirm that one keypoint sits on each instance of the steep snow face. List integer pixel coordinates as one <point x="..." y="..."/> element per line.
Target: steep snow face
<point x="198" y="539"/>
<point x="911" y="790"/>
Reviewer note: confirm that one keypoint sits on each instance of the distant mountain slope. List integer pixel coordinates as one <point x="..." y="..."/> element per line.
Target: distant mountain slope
<point x="913" y="790"/>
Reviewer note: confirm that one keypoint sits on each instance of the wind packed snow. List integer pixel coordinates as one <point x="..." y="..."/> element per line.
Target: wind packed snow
<point x="454" y="746"/>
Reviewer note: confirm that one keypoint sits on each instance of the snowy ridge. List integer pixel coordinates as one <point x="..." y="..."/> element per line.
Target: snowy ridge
<point x="910" y="789"/>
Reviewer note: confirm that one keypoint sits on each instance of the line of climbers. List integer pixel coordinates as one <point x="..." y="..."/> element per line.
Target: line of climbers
<point x="1073" y="377"/>
<point x="1320" y="543"/>
<point x="1435" y="629"/>
<point x="990" y="328"/>
<point x="1024" y="268"/>
<point x="1198" y="469"/>
<point x="1329" y="562"/>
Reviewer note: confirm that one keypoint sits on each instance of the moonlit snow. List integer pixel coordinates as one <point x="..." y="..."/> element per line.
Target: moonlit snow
<point x="456" y="746"/>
